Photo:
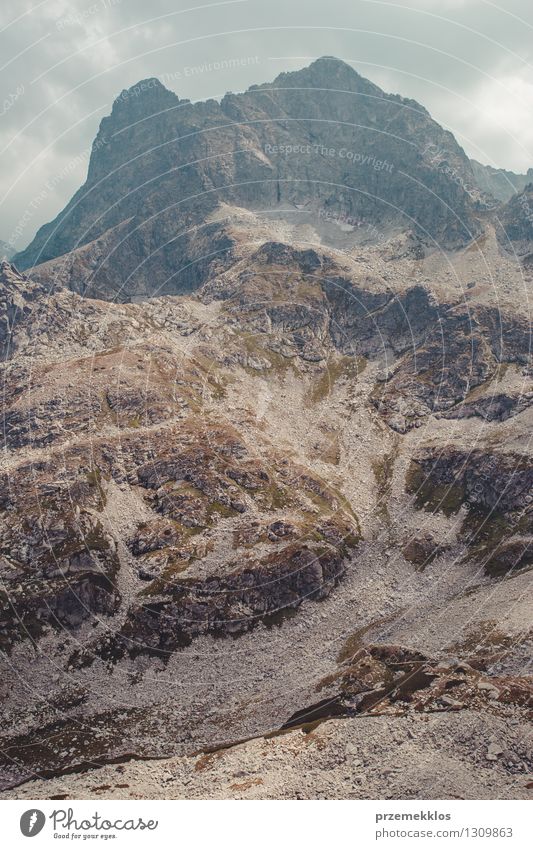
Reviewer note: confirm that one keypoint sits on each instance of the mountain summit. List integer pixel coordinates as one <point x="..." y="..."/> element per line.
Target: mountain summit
<point x="323" y="138"/>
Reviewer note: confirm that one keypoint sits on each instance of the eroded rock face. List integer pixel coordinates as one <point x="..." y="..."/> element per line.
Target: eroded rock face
<point x="59" y="536"/>
<point x="294" y="141"/>
<point x="498" y="480"/>
<point x="515" y="229"/>
<point x="189" y="468"/>
<point x="495" y="489"/>
<point x="195" y="481"/>
<point x="309" y="299"/>
<point x="59" y="564"/>
<point x="259" y="591"/>
<point x="465" y="349"/>
<point x="17" y="305"/>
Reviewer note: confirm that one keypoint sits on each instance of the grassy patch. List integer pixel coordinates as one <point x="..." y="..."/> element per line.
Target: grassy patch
<point x="446" y="498"/>
<point x="212" y="375"/>
<point x="223" y="510"/>
<point x="485" y="644"/>
<point x="278" y="363"/>
<point x="94" y="477"/>
<point x="489" y="536"/>
<point x="382" y="469"/>
<point x="345" y="367"/>
<point x="278" y="497"/>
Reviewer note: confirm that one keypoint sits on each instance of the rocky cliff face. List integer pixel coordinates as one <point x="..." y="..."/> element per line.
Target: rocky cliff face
<point x="322" y="137"/>
<point x="498" y="182"/>
<point x="459" y="377"/>
<point x="515" y="225"/>
<point x="18" y="300"/>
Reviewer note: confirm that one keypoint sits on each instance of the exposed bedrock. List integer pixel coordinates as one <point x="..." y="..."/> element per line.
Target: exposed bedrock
<point x="495" y="491"/>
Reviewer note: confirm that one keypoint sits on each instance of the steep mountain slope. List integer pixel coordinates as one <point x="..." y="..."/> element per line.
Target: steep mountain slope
<point x="277" y="468"/>
<point x="498" y="182"/>
<point x="323" y="137"/>
<point x="515" y="226"/>
<point x="289" y="456"/>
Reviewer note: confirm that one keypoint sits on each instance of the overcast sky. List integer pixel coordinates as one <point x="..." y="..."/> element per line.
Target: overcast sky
<point x="469" y="62"/>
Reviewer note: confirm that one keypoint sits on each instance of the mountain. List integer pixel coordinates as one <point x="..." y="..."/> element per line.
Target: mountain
<point x="310" y="446"/>
<point x="267" y="460"/>
<point x="323" y="138"/>
<point x="515" y="225"/>
<point x="498" y="182"/>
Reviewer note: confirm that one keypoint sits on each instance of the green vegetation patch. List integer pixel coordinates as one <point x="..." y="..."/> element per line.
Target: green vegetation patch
<point x="446" y="498"/>
<point x="94" y="478"/>
<point x="345" y="367"/>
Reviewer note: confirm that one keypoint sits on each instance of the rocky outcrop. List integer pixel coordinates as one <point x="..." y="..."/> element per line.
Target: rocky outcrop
<point x="59" y="544"/>
<point x="379" y="325"/>
<point x="515" y="225"/>
<point x="392" y="679"/>
<point x="308" y="298"/>
<point x="493" y="488"/>
<point x="493" y="407"/>
<point x="17" y="307"/>
<point x="464" y="350"/>
<point x="58" y="562"/>
<point x="498" y="480"/>
<point x="265" y="591"/>
<point x="421" y="549"/>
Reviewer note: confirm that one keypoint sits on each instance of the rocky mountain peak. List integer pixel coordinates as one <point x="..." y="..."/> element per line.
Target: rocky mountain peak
<point x="323" y="138"/>
<point x="145" y="96"/>
<point x="147" y="102"/>
<point x="329" y="72"/>
<point x="9" y="274"/>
